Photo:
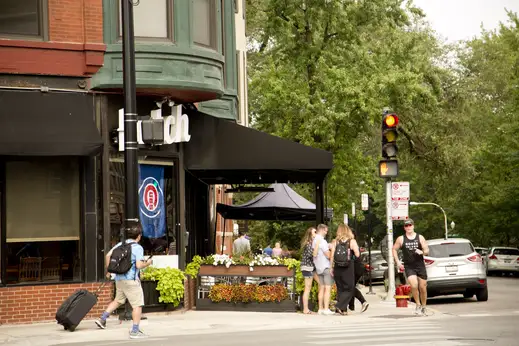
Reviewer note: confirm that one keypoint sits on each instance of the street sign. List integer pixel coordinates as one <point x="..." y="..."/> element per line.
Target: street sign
<point x="399" y="210"/>
<point x="345" y="219"/>
<point x="400" y="191"/>
<point x="364" y="201"/>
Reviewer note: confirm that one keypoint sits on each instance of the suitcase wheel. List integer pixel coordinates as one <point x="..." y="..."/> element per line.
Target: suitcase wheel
<point x="72" y="328"/>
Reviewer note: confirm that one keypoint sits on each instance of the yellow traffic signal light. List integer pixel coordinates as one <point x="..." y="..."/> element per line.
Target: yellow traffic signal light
<point x="388" y="168"/>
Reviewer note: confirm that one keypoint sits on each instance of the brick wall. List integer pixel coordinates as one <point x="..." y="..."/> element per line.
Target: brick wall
<point x="78" y="21"/>
<point x="27" y="304"/>
<point x="75" y="46"/>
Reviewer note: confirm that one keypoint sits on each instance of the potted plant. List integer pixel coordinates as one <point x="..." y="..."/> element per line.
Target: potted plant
<point x="162" y="286"/>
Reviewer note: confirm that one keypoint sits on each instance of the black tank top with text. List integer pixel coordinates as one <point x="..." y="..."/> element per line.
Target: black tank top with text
<point x="410" y="257"/>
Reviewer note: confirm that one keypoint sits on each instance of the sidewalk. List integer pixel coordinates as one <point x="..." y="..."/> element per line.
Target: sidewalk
<point x="196" y="322"/>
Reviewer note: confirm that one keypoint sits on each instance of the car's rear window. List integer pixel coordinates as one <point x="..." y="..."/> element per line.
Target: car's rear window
<point x="450" y="250"/>
<point x="508" y="252"/>
<point x="374" y="257"/>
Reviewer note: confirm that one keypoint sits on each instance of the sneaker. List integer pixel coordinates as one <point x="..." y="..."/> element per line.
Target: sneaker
<point x="137" y="335"/>
<point x="328" y="312"/>
<point x="424" y="311"/>
<point x="101" y="323"/>
<point x="365" y="307"/>
<point x="320" y="312"/>
<point x="418" y="311"/>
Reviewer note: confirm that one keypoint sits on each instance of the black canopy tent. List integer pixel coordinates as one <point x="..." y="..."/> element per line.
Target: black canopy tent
<point x="282" y="204"/>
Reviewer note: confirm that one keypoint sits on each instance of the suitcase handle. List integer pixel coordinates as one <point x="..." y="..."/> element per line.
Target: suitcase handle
<point x="100" y="287"/>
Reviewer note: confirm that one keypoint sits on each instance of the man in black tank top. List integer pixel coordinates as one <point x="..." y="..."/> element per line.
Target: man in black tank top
<point x="414" y="247"/>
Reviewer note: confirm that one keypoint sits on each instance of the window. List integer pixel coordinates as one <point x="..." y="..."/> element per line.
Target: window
<point x="152" y="19"/>
<point x="506" y="252"/>
<point x="24" y="18"/>
<point x="42" y="220"/>
<point x="450" y="250"/>
<point x="204" y="23"/>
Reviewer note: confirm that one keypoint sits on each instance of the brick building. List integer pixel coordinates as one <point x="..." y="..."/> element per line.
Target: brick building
<point x="61" y="160"/>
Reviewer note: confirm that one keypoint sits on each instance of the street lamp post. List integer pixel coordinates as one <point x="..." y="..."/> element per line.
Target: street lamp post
<point x="436" y="205"/>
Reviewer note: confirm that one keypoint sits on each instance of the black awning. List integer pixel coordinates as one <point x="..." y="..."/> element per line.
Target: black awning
<point x="223" y="152"/>
<point x="33" y="123"/>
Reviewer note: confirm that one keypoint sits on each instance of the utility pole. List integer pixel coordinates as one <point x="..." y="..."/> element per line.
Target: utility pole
<point x="131" y="147"/>
<point x="391" y="260"/>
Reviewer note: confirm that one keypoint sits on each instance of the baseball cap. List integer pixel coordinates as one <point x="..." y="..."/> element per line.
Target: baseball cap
<point x="409" y="222"/>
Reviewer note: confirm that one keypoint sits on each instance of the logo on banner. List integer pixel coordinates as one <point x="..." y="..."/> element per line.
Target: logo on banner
<point x="151" y="197"/>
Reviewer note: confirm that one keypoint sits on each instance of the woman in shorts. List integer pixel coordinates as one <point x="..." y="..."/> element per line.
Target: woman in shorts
<point x="307" y="267"/>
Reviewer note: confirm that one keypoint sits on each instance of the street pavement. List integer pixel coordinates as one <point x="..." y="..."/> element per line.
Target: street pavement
<point x="452" y="321"/>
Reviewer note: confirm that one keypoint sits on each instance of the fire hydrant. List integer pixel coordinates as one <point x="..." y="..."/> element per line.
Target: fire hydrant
<point x="401" y="298"/>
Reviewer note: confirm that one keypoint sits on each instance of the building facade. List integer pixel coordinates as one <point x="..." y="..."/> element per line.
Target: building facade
<point x="61" y="140"/>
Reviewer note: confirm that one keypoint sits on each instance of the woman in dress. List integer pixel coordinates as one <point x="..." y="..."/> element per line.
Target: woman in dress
<point x="277" y="250"/>
<point x="344" y="272"/>
<point x="307" y="267"/>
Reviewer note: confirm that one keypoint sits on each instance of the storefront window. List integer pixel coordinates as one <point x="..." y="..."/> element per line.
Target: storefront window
<point x="152" y="19"/>
<point x="204" y="23"/>
<point x="162" y="239"/>
<point x="23" y="18"/>
<point x="42" y="220"/>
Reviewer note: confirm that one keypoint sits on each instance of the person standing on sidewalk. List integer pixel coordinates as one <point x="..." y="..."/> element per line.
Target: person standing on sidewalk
<point x="414" y="247"/>
<point x="343" y="268"/>
<point x="307" y="267"/>
<point x="128" y="285"/>
<point x="321" y="254"/>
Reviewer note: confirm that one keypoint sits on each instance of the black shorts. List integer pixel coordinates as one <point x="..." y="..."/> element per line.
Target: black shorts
<point x="419" y="271"/>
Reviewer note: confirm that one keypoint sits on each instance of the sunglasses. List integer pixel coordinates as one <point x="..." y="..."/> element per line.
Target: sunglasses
<point x="408" y="225"/>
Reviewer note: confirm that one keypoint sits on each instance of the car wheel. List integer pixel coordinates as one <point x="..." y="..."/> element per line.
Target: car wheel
<point x="468" y="294"/>
<point x="482" y="294"/>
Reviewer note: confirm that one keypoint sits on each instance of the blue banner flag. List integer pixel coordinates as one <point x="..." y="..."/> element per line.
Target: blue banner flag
<point x="152" y="208"/>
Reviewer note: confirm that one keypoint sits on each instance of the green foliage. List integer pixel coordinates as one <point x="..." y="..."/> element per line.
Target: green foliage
<point x="170" y="283"/>
<point x="193" y="267"/>
<point x="321" y="73"/>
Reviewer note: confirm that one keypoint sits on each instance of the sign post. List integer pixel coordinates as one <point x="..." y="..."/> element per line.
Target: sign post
<point x="365" y="207"/>
<point x="391" y="264"/>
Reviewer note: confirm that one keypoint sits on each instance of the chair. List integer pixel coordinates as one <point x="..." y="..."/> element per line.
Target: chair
<point x="30" y="269"/>
<point x="51" y="269"/>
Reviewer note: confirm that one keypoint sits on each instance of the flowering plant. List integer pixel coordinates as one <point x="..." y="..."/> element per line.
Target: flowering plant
<point x="222" y="259"/>
<point x="263" y="260"/>
<point x="248" y="293"/>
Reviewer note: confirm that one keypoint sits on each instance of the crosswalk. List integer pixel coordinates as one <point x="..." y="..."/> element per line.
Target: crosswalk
<point x="416" y="332"/>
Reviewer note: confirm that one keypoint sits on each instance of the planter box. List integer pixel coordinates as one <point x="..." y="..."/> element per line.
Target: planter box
<point x="244" y="270"/>
<point x="206" y="304"/>
<point x="151" y="298"/>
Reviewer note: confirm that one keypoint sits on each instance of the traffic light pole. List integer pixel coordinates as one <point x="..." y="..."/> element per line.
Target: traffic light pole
<point x="391" y="265"/>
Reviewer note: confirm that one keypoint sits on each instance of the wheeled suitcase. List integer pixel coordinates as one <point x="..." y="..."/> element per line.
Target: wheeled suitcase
<point x="76" y="307"/>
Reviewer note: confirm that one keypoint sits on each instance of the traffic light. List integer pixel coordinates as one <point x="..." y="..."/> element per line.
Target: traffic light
<point x="389" y="135"/>
<point x="388" y="168"/>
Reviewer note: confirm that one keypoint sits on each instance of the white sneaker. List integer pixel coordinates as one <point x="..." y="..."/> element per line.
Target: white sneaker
<point x="328" y="312"/>
<point x="320" y="312"/>
<point x="418" y="311"/>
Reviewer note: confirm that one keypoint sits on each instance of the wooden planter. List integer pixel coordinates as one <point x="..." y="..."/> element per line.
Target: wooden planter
<point x="283" y="306"/>
<point x="244" y="270"/>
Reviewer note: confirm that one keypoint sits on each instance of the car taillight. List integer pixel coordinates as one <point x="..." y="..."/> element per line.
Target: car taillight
<point x="368" y="267"/>
<point x="493" y="257"/>
<point x="428" y="261"/>
<point x="518" y="260"/>
<point x="475" y="258"/>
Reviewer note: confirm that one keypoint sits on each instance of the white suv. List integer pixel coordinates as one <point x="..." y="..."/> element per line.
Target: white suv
<point x="503" y="260"/>
<point x="454" y="267"/>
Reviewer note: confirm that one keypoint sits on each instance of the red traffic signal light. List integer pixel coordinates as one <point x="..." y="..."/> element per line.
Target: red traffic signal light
<point x="391" y="120"/>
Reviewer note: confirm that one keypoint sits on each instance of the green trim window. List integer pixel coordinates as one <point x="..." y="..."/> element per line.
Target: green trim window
<point x="24" y="19"/>
<point x="153" y="20"/>
<point x="204" y="23"/>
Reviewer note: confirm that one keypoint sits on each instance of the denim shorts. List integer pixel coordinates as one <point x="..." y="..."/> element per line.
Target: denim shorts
<point x="307" y="273"/>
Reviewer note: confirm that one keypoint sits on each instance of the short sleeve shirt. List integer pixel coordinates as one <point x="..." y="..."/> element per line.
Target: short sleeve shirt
<point x="320" y="261"/>
<point x="137" y="255"/>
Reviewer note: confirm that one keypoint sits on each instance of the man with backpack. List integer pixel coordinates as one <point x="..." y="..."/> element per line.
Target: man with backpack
<point x="126" y="261"/>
